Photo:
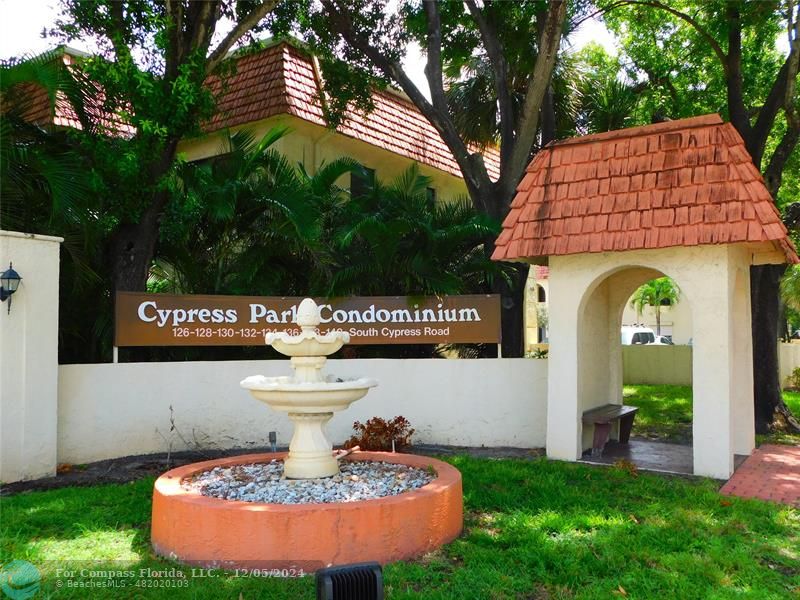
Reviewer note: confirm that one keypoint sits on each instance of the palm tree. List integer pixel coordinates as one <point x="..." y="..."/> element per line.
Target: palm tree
<point x="656" y="293"/>
<point x="43" y="180"/>
<point x="790" y="287"/>
<point x="391" y="240"/>
<point x="607" y="104"/>
<point x="46" y="187"/>
<point x="473" y="102"/>
<point x="249" y="222"/>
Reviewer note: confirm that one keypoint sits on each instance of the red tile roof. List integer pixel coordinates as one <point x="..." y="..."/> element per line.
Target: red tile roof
<point x="282" y="80"/>
<point x="678" y="183"/>
<point x="62" y="114"/>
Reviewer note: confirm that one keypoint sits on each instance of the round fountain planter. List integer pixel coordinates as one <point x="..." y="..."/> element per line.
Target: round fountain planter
<point x="216" y="533"/>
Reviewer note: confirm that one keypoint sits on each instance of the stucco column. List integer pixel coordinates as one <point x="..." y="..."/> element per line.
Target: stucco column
<point x="743" y="412"/>
<point x="563" y="406"/>
<point x="714" y="366"/>
<point x="29" y="358"/>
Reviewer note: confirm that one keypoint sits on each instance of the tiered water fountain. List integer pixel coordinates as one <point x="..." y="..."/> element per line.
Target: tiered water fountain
<point x="308" y="397"/>
<point x="296" y="510"/>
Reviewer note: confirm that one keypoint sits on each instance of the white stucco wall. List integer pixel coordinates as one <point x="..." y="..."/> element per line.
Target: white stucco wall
<point x="112" y="410"/>
<point x="29" y="358"/>
<point x="315" y="145"/>
<point x="587" y="297"/>
<point x="789" y="355"/>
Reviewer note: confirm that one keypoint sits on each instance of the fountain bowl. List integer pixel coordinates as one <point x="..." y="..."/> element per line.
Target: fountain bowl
<point x="307" y="344"/>
<point x="301" y="538"/>
<point x="288" y="395"/>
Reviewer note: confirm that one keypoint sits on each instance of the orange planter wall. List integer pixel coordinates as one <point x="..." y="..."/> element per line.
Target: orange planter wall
<point x="225" y="533"/>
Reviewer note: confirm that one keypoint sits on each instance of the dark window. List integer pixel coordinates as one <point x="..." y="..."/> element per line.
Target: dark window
<point x="643" y="337"/>
<point x="361" y="181"/>
<point x="431" y="196"/>
<point x="541" y="296"/>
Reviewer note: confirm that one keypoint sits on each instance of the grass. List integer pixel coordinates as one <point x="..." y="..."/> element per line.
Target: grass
<point x="533" y="529"/>
<point x="665" y="411"/>
<point x="665" y="414"/>
<point x="792" y="400"/>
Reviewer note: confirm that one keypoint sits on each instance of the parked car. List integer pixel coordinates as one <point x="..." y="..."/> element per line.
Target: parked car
<point x="632" y="334"/>
<point x="663" y="340"/>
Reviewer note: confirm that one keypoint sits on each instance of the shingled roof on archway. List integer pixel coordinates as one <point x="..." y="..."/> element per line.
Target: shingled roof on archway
<point x="679" y="183"/>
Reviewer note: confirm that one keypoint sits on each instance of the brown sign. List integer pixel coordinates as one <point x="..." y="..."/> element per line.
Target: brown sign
<point x="170" y="320"/>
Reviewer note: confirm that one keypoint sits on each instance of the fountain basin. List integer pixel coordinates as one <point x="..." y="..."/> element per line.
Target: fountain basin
<point x="212" y="532"/>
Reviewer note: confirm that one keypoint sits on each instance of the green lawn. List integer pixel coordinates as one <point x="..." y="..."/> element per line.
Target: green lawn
<point x="534" y="529"/>
<point x="792" y="400"/>
<point x="665" y="413"/>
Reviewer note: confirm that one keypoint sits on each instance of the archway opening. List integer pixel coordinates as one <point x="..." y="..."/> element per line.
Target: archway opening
<point x="634" y="346"/>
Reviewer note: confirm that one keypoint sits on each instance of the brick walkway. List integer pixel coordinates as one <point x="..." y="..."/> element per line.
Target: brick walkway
<point x="770" y="473"/>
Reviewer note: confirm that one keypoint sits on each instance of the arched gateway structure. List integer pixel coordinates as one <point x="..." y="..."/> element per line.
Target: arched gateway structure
<point x="611" y="211"/>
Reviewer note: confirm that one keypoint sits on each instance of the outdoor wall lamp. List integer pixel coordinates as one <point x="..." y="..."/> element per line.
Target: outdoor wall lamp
<point x="9" y="282"/>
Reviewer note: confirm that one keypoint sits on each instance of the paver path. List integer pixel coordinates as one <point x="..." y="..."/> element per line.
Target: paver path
<point x="770" y="473"/>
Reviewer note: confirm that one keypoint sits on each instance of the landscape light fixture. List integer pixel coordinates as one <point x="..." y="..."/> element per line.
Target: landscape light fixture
<point x="359" y="581"/>
<point x="9" y="282"/>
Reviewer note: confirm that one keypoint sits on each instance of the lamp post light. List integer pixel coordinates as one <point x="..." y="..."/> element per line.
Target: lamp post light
<point x="9" y="282"/>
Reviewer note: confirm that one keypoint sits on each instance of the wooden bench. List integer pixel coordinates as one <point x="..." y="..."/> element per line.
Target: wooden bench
<point x="603" y="417"/>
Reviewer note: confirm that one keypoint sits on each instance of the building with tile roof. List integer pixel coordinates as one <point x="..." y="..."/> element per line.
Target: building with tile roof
<point x="609" y="212"/>
<point x="60" y="113"/>
<point x="280" y="86"/>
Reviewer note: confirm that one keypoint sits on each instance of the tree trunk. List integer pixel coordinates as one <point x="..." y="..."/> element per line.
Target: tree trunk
<point x="770" y="411"/>
<point x="132" y="248"/>
<point x="512" y="311"/>
<point x="512" y="294"/>
<point x="133" y="245"/>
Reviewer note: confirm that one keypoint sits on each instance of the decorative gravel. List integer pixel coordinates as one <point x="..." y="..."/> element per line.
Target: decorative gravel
<point x="264" y="482"/>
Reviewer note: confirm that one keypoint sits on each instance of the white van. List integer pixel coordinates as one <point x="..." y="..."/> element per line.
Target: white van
<point x="634" y="334"/>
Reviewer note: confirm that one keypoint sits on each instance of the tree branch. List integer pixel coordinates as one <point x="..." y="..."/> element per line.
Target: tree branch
<point x="734" y="81"/>
<point x="781" y="95"/>
<point x="242" y="27"/>
<point x="773" y="175"/>
<point x="494" y="50"/>
<point x="433" y="66"/>
<point x="120" y="35"/>
<point x="723" y="59"/>
<point x="175" y="49"/>
<point x="472" y="167"/>
<point x="794" y="64"/>
<point x="527" y="124"/>
<point x="203" y="23"/>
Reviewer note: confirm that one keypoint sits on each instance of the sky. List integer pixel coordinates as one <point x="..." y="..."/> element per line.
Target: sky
<point x="22" y="21"/>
